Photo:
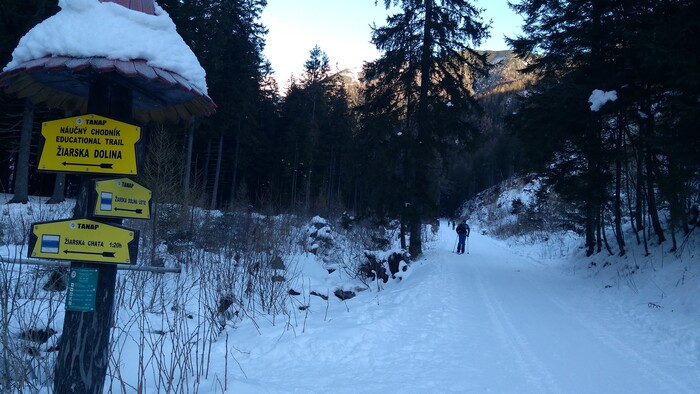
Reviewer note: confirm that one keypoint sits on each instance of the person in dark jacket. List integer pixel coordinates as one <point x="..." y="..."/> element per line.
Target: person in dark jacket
<point x="462" y="234"/>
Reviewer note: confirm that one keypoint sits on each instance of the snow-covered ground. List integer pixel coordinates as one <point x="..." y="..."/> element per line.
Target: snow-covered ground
<point x="513" y="316"/>
<point x="488" y="321"/>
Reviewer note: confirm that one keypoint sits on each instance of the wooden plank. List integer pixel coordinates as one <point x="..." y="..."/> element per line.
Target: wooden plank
<point x="77" y="64"/>
<point x="145" y="70"/>
<point x="102" y="64"/>
<point x="126" y="68"/>
<point x="165" y="76"/>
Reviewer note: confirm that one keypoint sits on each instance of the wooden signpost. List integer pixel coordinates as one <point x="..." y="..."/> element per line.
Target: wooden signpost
<point x="93" y="240"/>
<point x="110" y="90"/>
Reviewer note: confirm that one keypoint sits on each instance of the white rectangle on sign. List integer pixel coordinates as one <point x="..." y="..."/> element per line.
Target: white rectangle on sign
<point x="50" y="243"/>
<point x="106" y="201"/>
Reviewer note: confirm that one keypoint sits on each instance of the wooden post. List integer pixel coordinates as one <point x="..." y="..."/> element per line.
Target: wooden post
<point x="85" y="341"/>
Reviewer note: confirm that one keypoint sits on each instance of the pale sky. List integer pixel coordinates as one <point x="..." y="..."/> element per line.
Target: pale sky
<point x="341" y="28"/>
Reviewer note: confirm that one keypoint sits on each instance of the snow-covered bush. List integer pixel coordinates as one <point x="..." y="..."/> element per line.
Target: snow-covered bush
<point x="383" y="265"/>
<point x="236" y="265"/>
<point x="319" y="238"/>
<point x="519" y="207"/>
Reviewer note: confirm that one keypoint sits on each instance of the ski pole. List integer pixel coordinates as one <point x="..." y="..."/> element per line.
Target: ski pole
<point x="467" y="244"/>
<point x="454" y="248"/>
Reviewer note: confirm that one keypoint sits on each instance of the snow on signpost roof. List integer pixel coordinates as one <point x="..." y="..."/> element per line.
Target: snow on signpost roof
<point x="136" y="39"/>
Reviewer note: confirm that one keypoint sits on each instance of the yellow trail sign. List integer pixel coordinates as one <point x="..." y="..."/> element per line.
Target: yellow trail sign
<point x="89" y="144"/>
<point x="121" y="198"/>
<point x="83" y="240"/>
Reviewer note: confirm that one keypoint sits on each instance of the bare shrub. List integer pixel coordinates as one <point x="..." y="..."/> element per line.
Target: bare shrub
<point x="235" y="265"/>
<point x="27" y="333"/>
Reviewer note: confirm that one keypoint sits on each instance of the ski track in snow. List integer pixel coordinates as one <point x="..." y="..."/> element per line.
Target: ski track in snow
<point x="485" y="322"/>
<point x="510" y="338"/>
<point x="539" y="318"/>
<point x="609" y="339"/>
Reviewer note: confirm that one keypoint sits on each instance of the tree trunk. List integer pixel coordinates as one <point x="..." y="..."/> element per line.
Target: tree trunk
<point x="21" y="188"/>
<point x="331" y="175"/>
<point x="591" y="215"/>
<point x="599" y="223"/>
<point x="602" y="230"/>
<point x="639" y="190"/>
<point x="651" y="198"/>
<point x="634" y="221"/>
<point x="207" y="164"/>
<point x="59" y="188"/>
<point x="237" y="148"/>
<point x="307" y="189"/>
<point x="215" y="190"/>
<point x="295" y="172"/>
<point x="674" y="219"/>
<point x="415" y="247"/>
<point x="402" y="231"/>
<point x="646" y="133"/>
<point x="619" y="236"/>
<point x="188" y="161"/>
<point x="421" y="147"/>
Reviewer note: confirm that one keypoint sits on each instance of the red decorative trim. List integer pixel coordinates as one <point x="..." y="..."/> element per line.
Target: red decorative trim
<point x="145" y="6"/>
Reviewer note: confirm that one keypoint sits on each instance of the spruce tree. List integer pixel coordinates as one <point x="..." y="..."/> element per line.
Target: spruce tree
<point x="16" y="19"/>
<point x="228" y="39"/>
<point x="574" y="47"/>
<point x="642" y="50"/>
<point x="422" y="82"/>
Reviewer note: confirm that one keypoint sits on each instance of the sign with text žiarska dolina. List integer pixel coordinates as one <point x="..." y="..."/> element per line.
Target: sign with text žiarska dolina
<point x="120" y="198"/>
<point x="83" y="240"/>
<point x="89" y="144"/>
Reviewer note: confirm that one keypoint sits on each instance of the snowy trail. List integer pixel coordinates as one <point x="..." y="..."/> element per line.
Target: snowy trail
<point x="489" y="321"/>
<point x="548" y="337"/>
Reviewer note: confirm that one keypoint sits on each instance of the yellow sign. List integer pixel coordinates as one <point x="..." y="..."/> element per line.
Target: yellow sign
<point x="83" y="240"/>
<point x="89" y="143"/>
<point x="121" y="198"/>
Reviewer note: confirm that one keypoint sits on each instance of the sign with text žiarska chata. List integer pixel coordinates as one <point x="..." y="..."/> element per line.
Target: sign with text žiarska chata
<point x="121" y="198"/>
<point x="89" y="144"/>
<point x="83" y="240"/>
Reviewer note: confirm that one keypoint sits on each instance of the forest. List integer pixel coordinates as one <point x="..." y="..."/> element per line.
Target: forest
<point x="428" y="125"/>
<point x="594" y="110"/>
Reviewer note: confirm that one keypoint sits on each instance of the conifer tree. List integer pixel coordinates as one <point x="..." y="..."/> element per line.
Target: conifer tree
<point x="16" y="19"/>
<point x="228" y="39"/>
<point x="421" y="84"/>
<point x="630" y="47"/>
<point x="577" y="47"/>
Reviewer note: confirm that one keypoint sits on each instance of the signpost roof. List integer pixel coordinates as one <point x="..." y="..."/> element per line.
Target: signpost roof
<point x="132" y="42"/>
<point x="145" y="6"/>
<point x="160" y="95"/>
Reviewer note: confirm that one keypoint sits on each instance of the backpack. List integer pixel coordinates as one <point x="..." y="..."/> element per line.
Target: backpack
<point x="462" y="228"/>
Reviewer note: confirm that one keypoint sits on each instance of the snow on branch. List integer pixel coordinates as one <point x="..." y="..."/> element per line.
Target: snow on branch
<point x="599" y="98"/>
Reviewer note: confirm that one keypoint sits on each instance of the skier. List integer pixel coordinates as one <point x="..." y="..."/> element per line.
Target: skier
<point x="462" y="233"/>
